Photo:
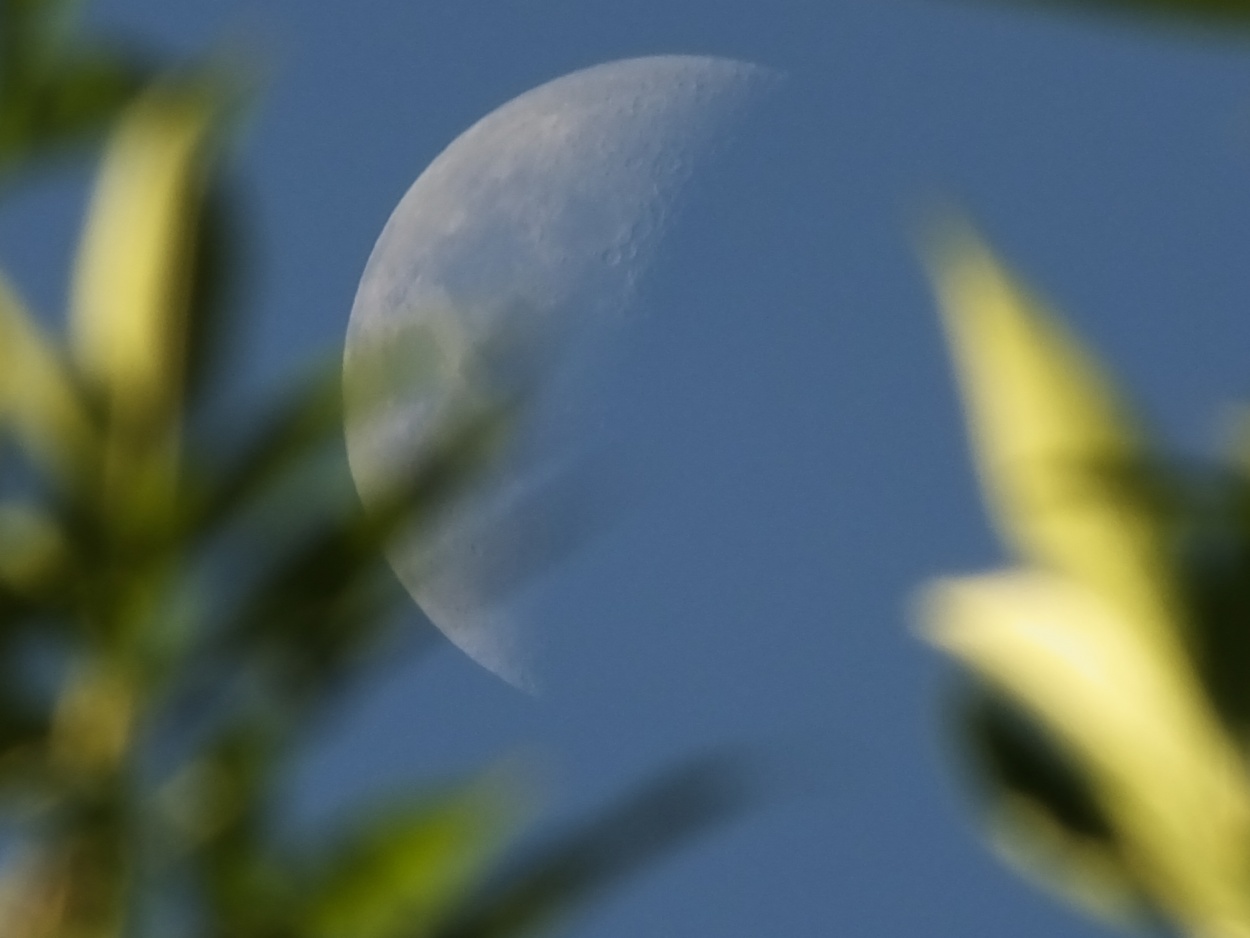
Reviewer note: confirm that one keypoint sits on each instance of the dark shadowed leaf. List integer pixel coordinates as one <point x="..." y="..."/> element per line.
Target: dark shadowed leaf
<point x="218" y="271"/>
<point x="1041" y="812"/>
<point x="1211" y="15"/>
<point x="1213" y="555"/>
<point x="275" y="447"/>
<point x="1014" y="753"/>
<point x="57" y="91"/>
<point x="75" y="103"/>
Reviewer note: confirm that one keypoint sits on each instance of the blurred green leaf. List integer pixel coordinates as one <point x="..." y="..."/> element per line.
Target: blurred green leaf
<point x="90" y="91"/>
<point x="1209" y="14"/>
<point x="203" y="597"/>
<point x="223" y="805"/>
<point x="278" y="446"/>
<point x="217" y="273"/>
<point x="33" y="551"/>
<point x="54" y="112"/>
<point x="547" y="885"/>
<point x="40" y="404"/>
<point x="132" y="280"/>
<point x="403" y="870"/>
<point x="56" y="91"/>
<point x="327" y="600"/>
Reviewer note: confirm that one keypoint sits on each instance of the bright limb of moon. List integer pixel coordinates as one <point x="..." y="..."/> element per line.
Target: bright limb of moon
<point x="530" y="229"/>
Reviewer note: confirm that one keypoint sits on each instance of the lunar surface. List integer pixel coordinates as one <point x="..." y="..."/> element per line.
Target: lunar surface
<point x="525" y="236"/>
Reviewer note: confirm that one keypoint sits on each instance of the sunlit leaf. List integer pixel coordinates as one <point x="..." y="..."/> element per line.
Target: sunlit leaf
<point x="132" y="282"/>
<point x="1171" y="782"/>
<point x="1068" y="476"/>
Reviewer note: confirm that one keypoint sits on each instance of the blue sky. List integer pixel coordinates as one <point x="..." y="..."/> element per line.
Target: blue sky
<point x="782" y="401"/>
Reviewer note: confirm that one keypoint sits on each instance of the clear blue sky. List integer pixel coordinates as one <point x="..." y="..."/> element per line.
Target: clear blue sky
<point x="784" y="401"/>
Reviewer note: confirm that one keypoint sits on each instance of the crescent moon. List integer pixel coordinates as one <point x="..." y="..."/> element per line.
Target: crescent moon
<point x="532" y="228"/>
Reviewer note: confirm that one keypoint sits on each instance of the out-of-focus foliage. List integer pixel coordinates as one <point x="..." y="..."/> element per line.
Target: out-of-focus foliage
<point x="1203" y="15"/>
<point x="58" y="88"/>
<point x="179" y="606"/>
<point x="1209" y="13"/>
<point x="1107" y="730"/>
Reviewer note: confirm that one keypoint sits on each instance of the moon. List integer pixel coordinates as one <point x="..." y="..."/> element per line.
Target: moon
<point x="522" y="242"/>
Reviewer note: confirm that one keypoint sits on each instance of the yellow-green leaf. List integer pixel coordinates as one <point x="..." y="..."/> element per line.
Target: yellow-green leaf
<point x="1172" y="783"/>
<point x="1064" y="470"/>
<point x="132" y="284"/>
<point x="405" y="872"/>
<point x="39" y="404"/>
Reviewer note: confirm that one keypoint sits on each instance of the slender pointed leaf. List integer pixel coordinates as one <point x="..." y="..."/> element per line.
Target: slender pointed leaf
<point x="1066" y="472"/>
<point x="132" y="284"/>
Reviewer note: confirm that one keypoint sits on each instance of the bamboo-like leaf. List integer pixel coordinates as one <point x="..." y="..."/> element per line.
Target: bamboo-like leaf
<point x="407" y="869"/>
<point x="133" y="278"/>
<point x="1066" y="473"/>
<point x="39" y="404"/>
<point x="1172" y="783"/>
